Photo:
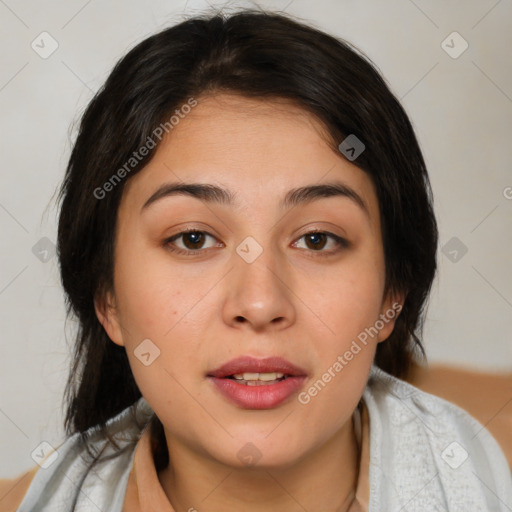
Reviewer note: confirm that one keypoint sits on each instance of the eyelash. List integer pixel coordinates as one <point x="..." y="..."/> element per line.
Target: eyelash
<point x="167" y="243"/>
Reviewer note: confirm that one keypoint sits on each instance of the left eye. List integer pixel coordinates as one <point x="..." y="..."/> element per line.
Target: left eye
<point x="317" y="240"/>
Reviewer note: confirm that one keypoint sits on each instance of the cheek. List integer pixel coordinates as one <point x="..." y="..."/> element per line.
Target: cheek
<point x="153" y="309"/>
<point x="172" y="305"/>
<point x="347" y="298"/>
<point x="154" y="295"/>
<point x="349" y="306"/>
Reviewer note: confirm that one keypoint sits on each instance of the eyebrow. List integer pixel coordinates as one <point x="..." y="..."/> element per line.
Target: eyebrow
<point x="297" y="196"/>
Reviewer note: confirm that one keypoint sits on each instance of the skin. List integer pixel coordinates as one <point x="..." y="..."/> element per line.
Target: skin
<point x="303" y="302"/>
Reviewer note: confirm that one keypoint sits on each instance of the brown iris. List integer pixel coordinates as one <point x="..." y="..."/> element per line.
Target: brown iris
<point x="315" y="238"/>
<point x="196" y="238"/>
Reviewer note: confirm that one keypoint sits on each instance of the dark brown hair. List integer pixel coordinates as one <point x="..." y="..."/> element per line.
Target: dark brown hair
<point x="261" y="55"/>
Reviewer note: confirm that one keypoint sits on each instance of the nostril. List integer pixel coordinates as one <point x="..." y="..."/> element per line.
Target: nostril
<point x="240" y="319"/>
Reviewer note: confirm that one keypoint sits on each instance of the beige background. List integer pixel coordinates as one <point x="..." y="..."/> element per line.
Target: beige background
<point x="461" y="108"/>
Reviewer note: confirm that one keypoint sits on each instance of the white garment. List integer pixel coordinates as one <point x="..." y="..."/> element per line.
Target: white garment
<point x="426" y="454"/>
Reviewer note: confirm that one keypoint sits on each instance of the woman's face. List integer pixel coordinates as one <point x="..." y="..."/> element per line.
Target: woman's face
<point x="255" y="283"/>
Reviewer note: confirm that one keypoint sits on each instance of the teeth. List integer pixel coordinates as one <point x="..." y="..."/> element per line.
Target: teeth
<point x="258" y="376"/>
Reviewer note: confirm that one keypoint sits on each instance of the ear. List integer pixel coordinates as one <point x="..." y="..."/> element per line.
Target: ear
<point x="391" y="307"/>
<point x="106" y="311"/>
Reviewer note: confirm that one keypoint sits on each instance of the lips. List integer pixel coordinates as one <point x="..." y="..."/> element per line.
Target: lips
<point x="268" y="393"/>
<point x="247" y="364"/>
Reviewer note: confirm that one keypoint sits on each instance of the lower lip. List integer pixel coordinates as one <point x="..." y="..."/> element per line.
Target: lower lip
<point x="265" y="396"/>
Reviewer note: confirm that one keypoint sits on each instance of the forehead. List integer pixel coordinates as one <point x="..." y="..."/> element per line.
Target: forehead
<point x="256" y="148"/>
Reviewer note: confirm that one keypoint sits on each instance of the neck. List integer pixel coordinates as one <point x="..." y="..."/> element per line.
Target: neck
<point x="319" y="480"/>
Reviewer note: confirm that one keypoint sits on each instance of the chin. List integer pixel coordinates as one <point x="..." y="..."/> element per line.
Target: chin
<point x="252" y="453"/>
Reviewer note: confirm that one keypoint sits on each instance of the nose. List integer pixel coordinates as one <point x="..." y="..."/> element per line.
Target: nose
<point x="259" y="294"/>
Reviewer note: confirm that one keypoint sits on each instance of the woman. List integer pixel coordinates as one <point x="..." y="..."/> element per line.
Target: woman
<point x="247" y="240"/>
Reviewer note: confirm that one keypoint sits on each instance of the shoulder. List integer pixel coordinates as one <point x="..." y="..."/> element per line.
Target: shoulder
<point x="13" y="490"/>
<point x="59" y="487"/>
<point x="487" y="396"/>
<point x="424" y="448"/>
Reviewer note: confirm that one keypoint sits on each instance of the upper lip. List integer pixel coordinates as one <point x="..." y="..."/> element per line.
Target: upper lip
<point x="248" y="364"/>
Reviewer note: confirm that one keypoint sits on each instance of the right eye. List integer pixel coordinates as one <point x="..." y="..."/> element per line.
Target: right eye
<point x="193" y="241"/>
